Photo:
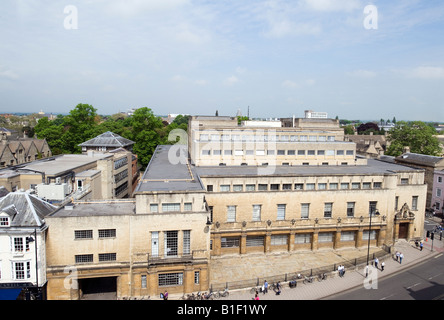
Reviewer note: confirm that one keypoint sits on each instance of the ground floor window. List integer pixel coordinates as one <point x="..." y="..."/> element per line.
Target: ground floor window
<point x="229" y="242"/>
<point x="170" y="279"/>
<point x="366" y="234"/>
<point x="302" y="238"/>
<point x="255" y="241"/>
<point x="325" y="237"/>
<point x="348" y="236"/>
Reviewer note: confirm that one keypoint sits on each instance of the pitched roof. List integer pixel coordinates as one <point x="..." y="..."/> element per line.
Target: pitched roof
<point x="422" y="159"/>
<point x="107" y="139"/>
<point x="25" y="209"/>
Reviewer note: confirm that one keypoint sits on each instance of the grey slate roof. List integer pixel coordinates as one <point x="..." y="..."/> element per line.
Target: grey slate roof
<point x="25" y="209"/>
<point x="163" y="175"/>
<point x="107" y="139"/>
<point x="420" y="159"/>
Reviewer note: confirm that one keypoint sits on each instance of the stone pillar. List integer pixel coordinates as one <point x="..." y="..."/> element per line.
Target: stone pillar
<point x="216" y="245"/>
<point x="243" y="243"/>
<point x="359" y="235"/>
<point x="291" y="241"/>
<point x="337" y="239"/>
<point x="314" y="240"/>
<point x="267" y="241"/>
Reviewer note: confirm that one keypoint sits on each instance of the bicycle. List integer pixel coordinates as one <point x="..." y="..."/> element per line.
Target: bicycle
<point x="255" y="289"/>
<point x="188" y="297"/>
<point x="322" y="276"/>
<point x="307" y="280"/>
<point x="224" y="294"/>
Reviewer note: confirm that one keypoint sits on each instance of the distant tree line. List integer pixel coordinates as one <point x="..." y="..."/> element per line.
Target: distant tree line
<point x="65" y="133"/>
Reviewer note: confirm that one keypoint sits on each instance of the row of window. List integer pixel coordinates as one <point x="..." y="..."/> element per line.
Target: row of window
<point x="260" y="137"/>
<point x="89" y="258"/>
<point x="88" y="234"/>
<point x="171" y="207"/>
<point x="305" y="211"/>
<point x="171" y="279"/>
<point x="297" y="186"/>
<point x="299" y="238"/>
<point x="279" y="152"/>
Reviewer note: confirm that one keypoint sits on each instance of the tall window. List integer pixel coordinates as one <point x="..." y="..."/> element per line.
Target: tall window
<point x="350" y="209"/>
<point x="256" y="212"/>
<point x="372" y="207"/>
<point x="415" y="203"/>
<point x="186" y="242"/>
<point x="328" y="207"/>
<point x="22" y="270"/>
<point x="305" y="210"/>
<point x="281" y="211"/>
<point x="231" y="213"/>
<point x="171" y="243"/>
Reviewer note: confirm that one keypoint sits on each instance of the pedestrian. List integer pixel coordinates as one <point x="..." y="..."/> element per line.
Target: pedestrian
<point x="376" y="263"/>
<point x="165" y="295"/>
<point x="401" y="255"/>
<point x="382" y="266"/>
<point x="278" y="288"/>
<point x="256" y="296"/>
<point x="397" y="256"/>
<point x="421" y="245"/>
<point x="265" y="287"/>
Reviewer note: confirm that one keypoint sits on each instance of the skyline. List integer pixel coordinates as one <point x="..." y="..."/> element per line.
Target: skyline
<point x="276" y="57"/>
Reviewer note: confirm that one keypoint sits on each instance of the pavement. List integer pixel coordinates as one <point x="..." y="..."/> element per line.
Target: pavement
<point x="353" y="278"/>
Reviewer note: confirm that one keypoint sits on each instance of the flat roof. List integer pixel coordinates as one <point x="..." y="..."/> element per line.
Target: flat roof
<point x="99" y="208"/>
<point x="373" y="167"/>
<point x="169" y="174"/>
<point x="58" y="165"/>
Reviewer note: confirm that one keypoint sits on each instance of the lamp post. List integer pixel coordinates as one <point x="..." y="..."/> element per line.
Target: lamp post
<point x="372" y="212"/>
<point x="31" y="239"/>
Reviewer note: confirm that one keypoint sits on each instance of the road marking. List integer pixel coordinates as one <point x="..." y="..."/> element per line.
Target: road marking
<point x="387" y="297"/>
<point x="408" y="288"/>
<point x="435" y="276"/>
<point x="439" y="255"/>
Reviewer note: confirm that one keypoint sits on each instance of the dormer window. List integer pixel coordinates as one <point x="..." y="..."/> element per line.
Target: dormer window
<point x="4" y="222"/>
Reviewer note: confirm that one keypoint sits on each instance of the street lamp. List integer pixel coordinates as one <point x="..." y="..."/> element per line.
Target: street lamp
<point x="375" y="212"/>
<point x="31" y="239"/>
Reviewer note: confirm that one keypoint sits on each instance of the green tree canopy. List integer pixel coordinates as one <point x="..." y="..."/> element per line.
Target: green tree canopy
<point x="416" y="135"/>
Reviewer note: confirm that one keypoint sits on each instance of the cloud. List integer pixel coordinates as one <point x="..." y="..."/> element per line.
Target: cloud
<point x="298" y="84"/>
<point x="231" y="81"/>
<point x="332" y="5"/>
<point x="8" y="73"/>
<point x="426" y="73"/>
<point x="364" y="74"/>
<point x="129" y="8"/>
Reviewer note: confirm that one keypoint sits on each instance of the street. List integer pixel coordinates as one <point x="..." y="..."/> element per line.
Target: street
<point x="423" y="281"/>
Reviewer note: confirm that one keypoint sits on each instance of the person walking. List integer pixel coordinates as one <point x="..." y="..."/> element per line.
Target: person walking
<point x="397" y="256"/>
<point x="401" y="256"/>
<point x="376" y="263"/>
<point x="382" y="266"/>
<point x="265" y="287"/>
<point x="421" y="245"/>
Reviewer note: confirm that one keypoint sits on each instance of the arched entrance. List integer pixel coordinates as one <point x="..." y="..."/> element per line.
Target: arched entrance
<point x="404" y="226"/>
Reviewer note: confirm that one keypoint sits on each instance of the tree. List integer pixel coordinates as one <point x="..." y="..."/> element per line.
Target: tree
<point x="349" y="129"/>
<point x="146" y="133"/>
<point x="416" y="135"/>
<point x="366" y="128"/>
<point x="79" y="127"/>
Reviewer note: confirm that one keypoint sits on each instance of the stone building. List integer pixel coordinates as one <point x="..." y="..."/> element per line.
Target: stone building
<point x="134" y="248"/>
<point x="233" y="192"/>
